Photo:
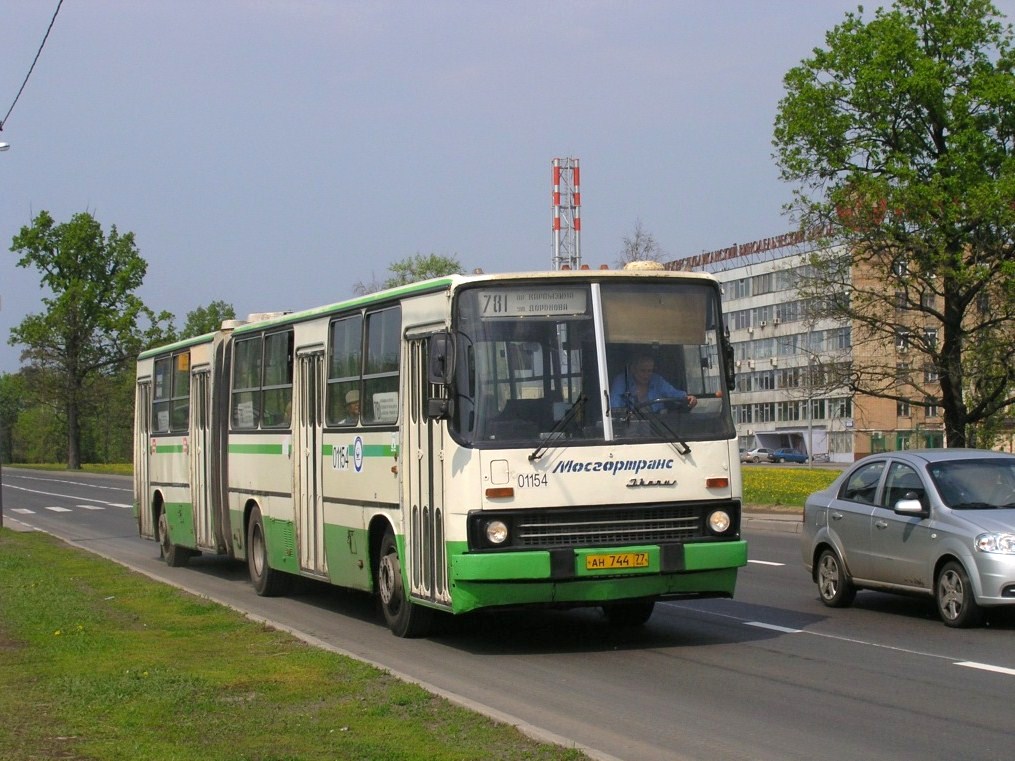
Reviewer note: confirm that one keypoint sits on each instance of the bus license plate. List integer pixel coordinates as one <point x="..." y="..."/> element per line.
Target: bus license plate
<point x="616" y="560"/>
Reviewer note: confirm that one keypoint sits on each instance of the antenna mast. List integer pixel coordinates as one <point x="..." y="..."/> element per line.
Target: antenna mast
<point x="567" y="223"/>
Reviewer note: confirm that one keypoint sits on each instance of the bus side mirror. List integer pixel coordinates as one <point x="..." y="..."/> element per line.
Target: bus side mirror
<point x="442" y="359"/>
<point x="728" y="355"/>
<point x="438" y="409"/>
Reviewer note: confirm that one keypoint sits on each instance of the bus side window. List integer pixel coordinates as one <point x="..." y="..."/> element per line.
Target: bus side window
<point x="380" y="374"/>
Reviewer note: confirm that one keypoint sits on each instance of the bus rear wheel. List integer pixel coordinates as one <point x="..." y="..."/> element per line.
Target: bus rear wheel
<point x="404" y="618"/>
<point x="267" y="581"/>
<point x="174" y="555"/>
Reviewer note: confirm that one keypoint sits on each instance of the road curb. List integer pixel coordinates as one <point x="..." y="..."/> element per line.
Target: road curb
<point x="784" y="523"/>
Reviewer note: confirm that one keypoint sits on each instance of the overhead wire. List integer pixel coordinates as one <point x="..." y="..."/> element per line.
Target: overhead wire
<point x="32" y="67"/>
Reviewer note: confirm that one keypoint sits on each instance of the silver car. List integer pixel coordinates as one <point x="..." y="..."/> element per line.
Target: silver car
<point x="937" y="522"/>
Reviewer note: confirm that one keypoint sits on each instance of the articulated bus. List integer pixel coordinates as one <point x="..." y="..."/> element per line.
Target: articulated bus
<point x="453" y="445"/>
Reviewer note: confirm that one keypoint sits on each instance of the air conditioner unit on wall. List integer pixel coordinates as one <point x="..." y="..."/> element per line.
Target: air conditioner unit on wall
<point x="775" y="361"/>
<point x="750" y="363"/>
<point x="763" y="323"/>
<point x="775" y="321"/>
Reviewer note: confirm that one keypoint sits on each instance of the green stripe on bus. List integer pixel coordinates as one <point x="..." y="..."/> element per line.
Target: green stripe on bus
<point x="169" y="449"/>
<point x="369" y="450"/>
<point x="256" y="449"/>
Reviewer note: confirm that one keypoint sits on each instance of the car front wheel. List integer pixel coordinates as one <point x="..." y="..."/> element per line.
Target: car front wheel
<point x="954" y="595"/>
<point x="834" y="586"/>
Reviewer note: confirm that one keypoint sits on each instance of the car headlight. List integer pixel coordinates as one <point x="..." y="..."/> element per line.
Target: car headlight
<point x="1002" y="543"/>
<point x="719" y="521"/>
<point x="496" y="532"/>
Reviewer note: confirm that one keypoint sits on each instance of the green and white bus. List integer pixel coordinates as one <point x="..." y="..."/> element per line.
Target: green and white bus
<point x="453" y="445"/>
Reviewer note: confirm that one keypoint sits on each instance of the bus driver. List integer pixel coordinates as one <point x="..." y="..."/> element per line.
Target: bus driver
<point x="639" y="383"/>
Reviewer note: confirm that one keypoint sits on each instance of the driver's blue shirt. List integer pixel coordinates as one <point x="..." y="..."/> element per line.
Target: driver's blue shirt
<point x="622" y="392"/>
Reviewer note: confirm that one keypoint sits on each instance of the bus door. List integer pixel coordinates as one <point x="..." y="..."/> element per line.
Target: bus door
<point x="423" y="459"/>
<point x="142" y="440"/>
<point x="307" y="462"/>
<point x="200" y="458"/>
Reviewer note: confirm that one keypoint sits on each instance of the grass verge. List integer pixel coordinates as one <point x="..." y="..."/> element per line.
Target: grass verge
<point x="97" y="662"/>
<point x="783" y="489"/>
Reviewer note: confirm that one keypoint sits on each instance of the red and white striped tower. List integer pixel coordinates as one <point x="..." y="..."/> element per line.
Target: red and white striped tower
<point x="567" y="223"/>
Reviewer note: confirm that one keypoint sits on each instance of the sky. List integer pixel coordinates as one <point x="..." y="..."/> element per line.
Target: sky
<point x="273" y="153"/>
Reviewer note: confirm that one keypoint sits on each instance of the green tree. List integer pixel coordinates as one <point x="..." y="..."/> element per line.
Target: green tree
<point x="411" y="270"/>
<point x="899" y="135"/>
<point x="640" y="246"/>
<point x="12" y="402"/>
<point x="207" y="319"/>
<point x="93" y="321"/>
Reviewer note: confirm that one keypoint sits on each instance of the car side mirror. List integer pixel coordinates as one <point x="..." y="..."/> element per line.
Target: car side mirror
<point x="910" y="506"/>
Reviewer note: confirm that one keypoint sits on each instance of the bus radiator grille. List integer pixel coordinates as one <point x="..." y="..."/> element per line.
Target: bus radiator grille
<point x="621" y="526"/>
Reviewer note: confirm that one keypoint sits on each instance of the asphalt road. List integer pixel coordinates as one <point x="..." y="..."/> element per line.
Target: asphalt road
<point x="772" y="674"/>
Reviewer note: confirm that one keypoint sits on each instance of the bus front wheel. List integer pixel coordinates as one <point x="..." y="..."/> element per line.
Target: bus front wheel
<point x="629" y="613"/>
<point x="404" y="618"/>
<point x="267" y="581"/>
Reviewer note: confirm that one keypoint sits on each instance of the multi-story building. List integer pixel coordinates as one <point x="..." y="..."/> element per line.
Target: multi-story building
<point x="785" y="394"/>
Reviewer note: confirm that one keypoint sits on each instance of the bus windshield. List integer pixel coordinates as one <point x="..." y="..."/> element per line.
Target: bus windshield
<point x="587" y="363"/>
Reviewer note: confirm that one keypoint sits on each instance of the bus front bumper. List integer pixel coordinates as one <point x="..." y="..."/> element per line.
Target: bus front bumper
<point x="590" y="576"/>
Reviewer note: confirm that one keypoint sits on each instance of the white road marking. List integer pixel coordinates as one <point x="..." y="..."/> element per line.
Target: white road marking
<point x="987" y="667"/>
<point x="852" y="640"/>
<point x="91" y="507"/>
<point x="773" y="627"/>
<point x="65" y="496"/>
<point x="56" y="509"/>
<point x="65" y="481"/>
<point x="766" y="562"/>
<point x="23" y="511"/>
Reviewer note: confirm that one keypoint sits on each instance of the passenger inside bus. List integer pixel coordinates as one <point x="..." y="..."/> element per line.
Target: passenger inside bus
<point x="351" y="408"/>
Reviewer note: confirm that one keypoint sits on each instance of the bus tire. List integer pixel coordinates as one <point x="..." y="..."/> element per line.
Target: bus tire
<point x="629" y="613"/>
<point x="174" y="555"/>
<point x="404" y="618"/>
<point x="267" y="581"/>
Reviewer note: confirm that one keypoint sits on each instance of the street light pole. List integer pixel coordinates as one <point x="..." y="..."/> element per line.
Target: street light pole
<point x="3" y="147"/>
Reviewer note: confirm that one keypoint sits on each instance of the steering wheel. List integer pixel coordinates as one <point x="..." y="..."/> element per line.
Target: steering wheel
<point x="669" y="402"/>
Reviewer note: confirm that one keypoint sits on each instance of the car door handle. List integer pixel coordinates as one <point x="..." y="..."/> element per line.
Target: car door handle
<point x="837" y="516"/>
<point x="880" y="524"/>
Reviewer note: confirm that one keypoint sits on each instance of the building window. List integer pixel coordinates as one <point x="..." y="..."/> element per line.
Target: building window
<point x="902" y="408"/>
<point x="741" y="288"/>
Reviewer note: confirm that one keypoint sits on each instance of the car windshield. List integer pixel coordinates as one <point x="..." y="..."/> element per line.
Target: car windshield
<point x="976" y="484"/>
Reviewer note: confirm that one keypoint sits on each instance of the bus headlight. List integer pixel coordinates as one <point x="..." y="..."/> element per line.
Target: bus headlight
<point x="496" y="532"/>
<point x="719" y="521"/>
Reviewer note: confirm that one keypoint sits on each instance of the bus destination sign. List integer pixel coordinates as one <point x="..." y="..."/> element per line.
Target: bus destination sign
<point x="532" y="302"/>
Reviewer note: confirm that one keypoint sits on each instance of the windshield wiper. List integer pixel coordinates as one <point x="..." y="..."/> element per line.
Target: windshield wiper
<point x="558" y="427"/>
<point x="659" y="426"/>
<point x="973" y="506"/>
